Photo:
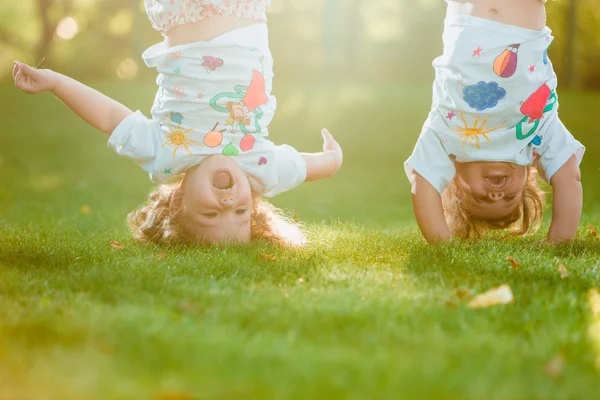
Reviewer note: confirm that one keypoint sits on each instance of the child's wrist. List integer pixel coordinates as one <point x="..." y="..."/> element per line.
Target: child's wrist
<point x="52" y="80"/>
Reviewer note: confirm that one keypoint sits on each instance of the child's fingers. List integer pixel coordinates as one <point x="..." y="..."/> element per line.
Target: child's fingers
<point x="327" y="137"/>
<point x="328" y="141"/>
<point x="29" y="71"/>
<point x="15" y="70"/>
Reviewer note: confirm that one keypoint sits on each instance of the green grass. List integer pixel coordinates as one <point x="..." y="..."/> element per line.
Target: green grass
<point x="359" y="313"/>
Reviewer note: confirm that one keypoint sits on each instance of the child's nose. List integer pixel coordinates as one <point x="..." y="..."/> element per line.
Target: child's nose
<point x="227" y="201"/>
<point x="496" y="196"/>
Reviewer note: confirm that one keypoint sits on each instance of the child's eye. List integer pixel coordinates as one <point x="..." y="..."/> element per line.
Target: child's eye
<point x="509" y="198"/>
<point x="211" y="215"/>
<point x="480" y="199"/>
<point x="240" y="211"/>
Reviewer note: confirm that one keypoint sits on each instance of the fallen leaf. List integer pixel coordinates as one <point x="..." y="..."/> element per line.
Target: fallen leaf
<point x="592" y="230"/>
<point x="86" y="210"/>
<point x="266" y="257"/>
<point x="160" y="256"/>
<point x="463" y="293"/>
<point x="554" y="368"/>
<point x="188" y="307"/>
<point x="174" y="396"/>
<point x="562" y="270"/>
<point x="514" y="263"/>
<point x="452" y="303"/>
<point x="116" y="245"/>
<point x="500" y="295"/>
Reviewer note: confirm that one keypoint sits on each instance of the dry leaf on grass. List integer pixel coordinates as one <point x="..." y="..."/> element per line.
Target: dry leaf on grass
<point x="463" y="293"/>
<point x="457" y="296"/>
<point x="85" y="210"/>
<point x="160" y="256"/>
<point x="116" y="245"/>
<point x="562" y="270"/>
<point x="266" y="257"/>
<point x="514" y="263"/>
<point x="592" y="230"/>
<point x="188" y="307"/>
<point x="452" y="303"/>
<point x="554" y="368"/>
<point x="500" y="295"/>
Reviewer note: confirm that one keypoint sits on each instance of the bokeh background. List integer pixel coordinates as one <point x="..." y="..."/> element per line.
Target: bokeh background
<point x="366" y="40"/>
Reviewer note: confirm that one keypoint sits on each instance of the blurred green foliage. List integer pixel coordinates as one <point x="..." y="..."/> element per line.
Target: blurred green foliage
<point x="354" y="39"/>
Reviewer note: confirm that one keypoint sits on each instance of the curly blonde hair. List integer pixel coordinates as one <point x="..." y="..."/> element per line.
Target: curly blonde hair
<point x="526" y="219"/>
<point x="156" y="222"/>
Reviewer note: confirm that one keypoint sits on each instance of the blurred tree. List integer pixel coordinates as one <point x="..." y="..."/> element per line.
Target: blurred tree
<point x="367" y="40"/>
<point x="50" y="16"/>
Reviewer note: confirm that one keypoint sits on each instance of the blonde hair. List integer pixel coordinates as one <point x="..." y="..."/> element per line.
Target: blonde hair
<point x="526" y="219"/>
<point x="157" y="222"/>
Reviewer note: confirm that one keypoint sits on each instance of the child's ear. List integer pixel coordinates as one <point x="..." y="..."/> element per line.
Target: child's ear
<point x="176" y="203"/>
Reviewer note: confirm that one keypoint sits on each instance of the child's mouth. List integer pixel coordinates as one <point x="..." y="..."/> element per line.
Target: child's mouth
<point x="223" y="180"/>
<point x="496" y="182"/>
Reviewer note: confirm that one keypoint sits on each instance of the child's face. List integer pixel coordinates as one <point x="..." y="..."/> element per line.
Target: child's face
<point x="217" y="201"/>
<point x="492" y="190"/>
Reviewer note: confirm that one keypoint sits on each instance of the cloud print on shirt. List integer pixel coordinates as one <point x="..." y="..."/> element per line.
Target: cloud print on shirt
<point x="482" y="96"/>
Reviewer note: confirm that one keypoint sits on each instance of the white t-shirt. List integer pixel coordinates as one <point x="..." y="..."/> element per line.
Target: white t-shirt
<point x="494" y="99"/>
<point x="214" y="97"/>
<point x="270" y="169"/>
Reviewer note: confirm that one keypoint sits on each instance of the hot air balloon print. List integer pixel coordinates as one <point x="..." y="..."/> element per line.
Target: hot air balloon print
<point x="505" y="65"/>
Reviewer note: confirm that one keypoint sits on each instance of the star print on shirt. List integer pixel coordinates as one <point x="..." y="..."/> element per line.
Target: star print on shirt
<point x="450" y="115"/>
<point x="531" y="68"/>
<point x="200" y="95"/>
<point x="477" y="52"/>
<point x="167" y="171"/>
<point x="177" y="70"/>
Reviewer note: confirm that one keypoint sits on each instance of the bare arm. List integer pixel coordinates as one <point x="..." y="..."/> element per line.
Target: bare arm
<point x="567" y="202"/>
<point x="427" y="205"/>
<point x="325" y="164"/>
<point x="98" y="110"/>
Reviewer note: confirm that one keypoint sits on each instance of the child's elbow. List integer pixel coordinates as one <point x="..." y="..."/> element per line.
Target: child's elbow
<point x="568" y="173"/>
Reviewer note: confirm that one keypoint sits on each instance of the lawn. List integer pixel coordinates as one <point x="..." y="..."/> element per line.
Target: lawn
<point x="365" y="311"/>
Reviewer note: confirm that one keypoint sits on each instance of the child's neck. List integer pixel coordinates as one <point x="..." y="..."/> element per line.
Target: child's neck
<point x="529" y="14"/>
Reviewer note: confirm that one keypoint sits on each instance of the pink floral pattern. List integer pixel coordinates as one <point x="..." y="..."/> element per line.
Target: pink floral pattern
<point x="179" y="91"/>
<point x="165" y="14"/>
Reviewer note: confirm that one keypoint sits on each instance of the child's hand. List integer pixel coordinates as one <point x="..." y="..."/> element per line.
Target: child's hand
<point x="325" y="164"/>
<point x="31" y="80"/>
<point x="332" y="151"/>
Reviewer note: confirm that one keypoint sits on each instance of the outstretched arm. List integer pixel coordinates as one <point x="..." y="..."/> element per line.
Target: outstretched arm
<point x="567" y="202"/>
<point x="429" y="212"/>
<point x="325" y="164"/>
<point x="98" y="110"/>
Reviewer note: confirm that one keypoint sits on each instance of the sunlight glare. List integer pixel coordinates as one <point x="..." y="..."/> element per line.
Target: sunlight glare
<point x="128" y="69"/>
<point x="594" y="329"/>
<point x="67" y="28"/>
<point x="121" y="24"/>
